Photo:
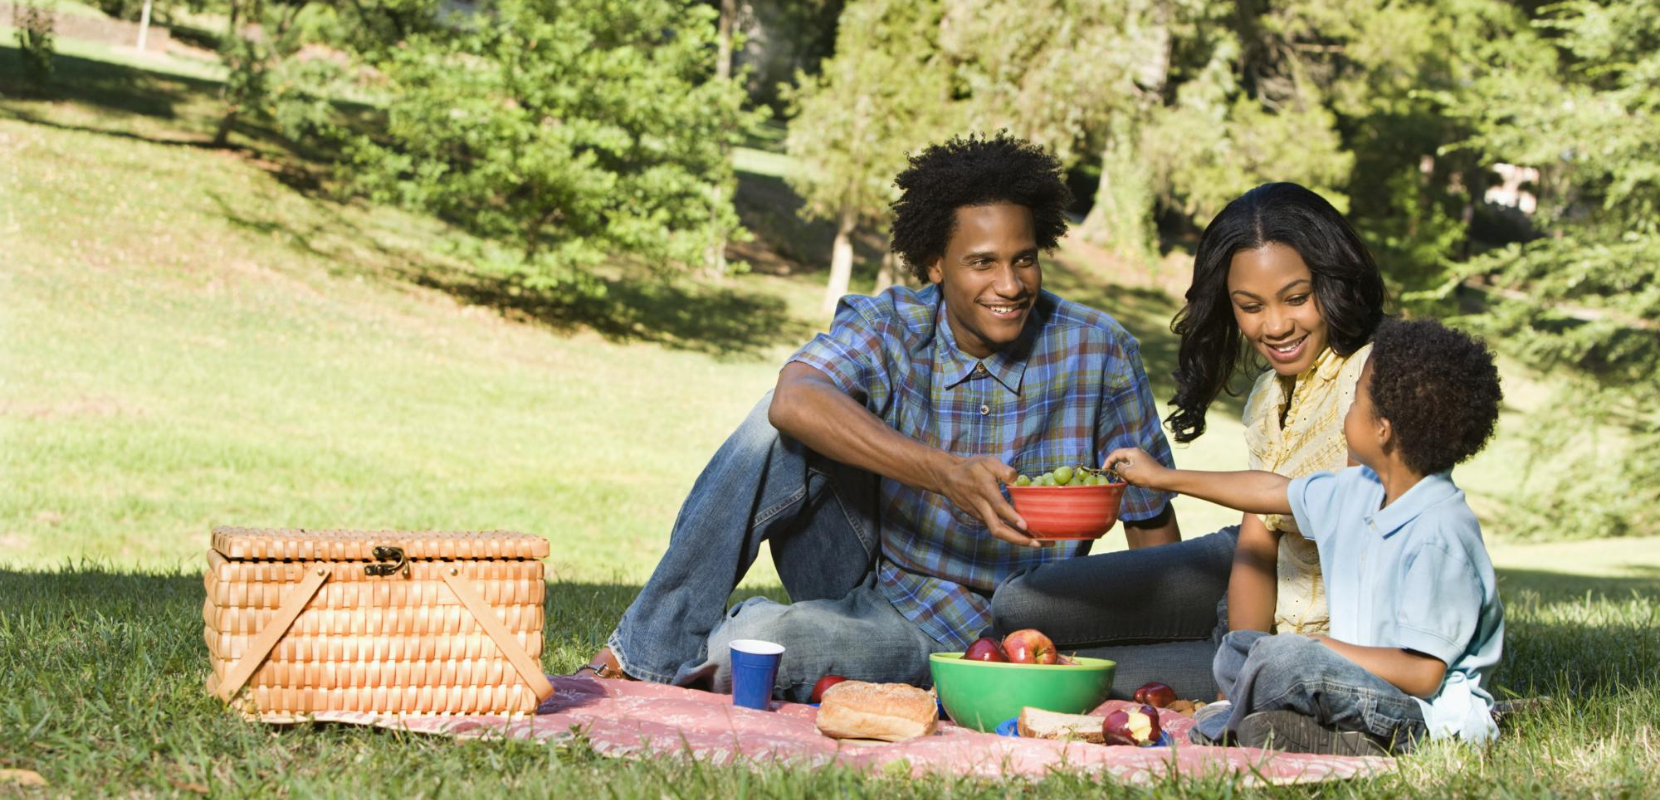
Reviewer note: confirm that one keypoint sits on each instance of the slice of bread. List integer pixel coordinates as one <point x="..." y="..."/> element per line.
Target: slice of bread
<point x="1035" y="723"/>
<point x="892" y="712"/>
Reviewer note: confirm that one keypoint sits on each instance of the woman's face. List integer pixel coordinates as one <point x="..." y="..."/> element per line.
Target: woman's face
<point x="1272" y="293"/>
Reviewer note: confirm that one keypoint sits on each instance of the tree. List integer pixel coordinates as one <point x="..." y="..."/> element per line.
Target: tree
<point x="1177" y="103"/>
<point x="575" y="130"/>
<point x="884" y="92"/>
<point x="1583" y="299"/>
<point x="1080" y="77"/>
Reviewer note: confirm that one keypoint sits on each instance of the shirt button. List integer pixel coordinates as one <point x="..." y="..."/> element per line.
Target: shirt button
<point x="979" y="369"/>
<point x="984" y="410"/>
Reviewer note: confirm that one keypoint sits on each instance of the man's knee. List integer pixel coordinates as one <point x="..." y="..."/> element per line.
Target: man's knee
<point x="1012" y="605"/>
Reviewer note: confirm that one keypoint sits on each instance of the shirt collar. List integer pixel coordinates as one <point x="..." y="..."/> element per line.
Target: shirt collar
<point x="1432" y="489"/>
<point x="1327" y="366"/>
<point x="1008" y="365"/>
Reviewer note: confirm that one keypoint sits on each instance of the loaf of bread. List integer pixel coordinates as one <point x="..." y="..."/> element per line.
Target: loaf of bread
<point x="1035" y="723"/>
<point x="891" y="712"/>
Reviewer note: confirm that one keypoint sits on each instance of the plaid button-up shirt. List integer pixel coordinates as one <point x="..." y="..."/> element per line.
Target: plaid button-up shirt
<point x="1070" y="390"/>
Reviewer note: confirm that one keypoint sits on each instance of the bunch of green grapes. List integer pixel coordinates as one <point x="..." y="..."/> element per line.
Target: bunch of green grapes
<point x="1070" y="476"/>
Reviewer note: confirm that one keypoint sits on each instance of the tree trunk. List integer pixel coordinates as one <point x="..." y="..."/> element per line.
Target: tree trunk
<point x="728" y="21"/>
<point x="888" y="272"/>
<point x="144" y="27"/>
<point x="222" y="136"/>
<point x="841" y="259"/>
<point x="1122" y="217"/>
<point x="714" y="258"/>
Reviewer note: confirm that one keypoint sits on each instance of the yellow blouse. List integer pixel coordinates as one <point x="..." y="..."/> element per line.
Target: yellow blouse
<point x="1311" y="440"/>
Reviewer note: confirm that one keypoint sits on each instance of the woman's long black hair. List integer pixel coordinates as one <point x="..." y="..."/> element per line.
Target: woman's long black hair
<point x="1347" y="288"/>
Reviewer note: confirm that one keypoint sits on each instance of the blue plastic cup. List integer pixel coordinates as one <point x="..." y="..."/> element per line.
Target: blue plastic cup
<point x="754" y="671"/>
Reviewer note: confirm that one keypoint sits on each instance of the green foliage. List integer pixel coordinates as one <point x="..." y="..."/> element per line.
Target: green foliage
<point x="1584" y="300"/>
<point x="1208" y="154"/>
<point x="573" y="130"/>
<point x="1017" y="66"/>
<point x="34" y="26"/>
<point x="854" y="121"/>
<point x="121" y="9"/>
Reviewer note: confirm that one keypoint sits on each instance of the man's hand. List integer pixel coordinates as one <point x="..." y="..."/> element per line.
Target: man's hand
<point x="1138" y="468"/>
<point x="976" y="486"/>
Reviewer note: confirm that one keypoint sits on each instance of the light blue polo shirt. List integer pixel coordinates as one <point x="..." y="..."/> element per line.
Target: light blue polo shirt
<point x="1414" y="575"/>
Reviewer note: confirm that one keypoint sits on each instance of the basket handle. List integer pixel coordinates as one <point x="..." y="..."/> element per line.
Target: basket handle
<point x="290" y="609"/>
<point x="526" y="666"/>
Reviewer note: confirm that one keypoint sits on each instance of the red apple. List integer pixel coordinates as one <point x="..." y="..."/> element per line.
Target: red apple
<point x="824" y="685"/>
<point x="985" y="648"/>
<point x="1156" y="695"/>
<point x="1134" y="725"/>
<point x="1029" y="646"/>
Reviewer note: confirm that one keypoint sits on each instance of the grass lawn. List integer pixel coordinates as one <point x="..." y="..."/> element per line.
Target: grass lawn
<point x="191" y="337"/>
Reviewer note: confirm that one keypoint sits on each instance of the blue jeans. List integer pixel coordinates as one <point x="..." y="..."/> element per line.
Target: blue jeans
<point x="819" y="517"/>
<point x="1272" y="672"/>
<point x="1157" y="611"/>
<point x="860" y="636"/>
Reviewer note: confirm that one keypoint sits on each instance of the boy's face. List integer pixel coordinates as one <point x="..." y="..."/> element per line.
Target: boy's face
<point x="1362" y="428"/>
<point x="989" y="276"/>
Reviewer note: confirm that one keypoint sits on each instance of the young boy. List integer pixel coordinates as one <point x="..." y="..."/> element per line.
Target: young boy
<point x="1416" y="625"/>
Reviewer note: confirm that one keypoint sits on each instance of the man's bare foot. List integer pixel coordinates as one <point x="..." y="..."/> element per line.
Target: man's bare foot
<point x="605" y="667"/>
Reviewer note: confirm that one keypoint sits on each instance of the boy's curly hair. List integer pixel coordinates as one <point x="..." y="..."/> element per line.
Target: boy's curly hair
<point x="974" y="171"/>
<point x="1438" y="388"/>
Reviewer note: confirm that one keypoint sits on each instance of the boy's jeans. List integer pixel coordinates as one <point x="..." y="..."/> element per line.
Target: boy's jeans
<point x="1266" y="672"/>
<point x="819" y="517"/>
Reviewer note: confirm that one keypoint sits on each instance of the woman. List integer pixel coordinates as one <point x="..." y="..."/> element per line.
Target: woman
<point x="1282" y="275"/>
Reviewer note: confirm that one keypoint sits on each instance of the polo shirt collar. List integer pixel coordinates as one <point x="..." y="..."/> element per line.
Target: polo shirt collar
<point x="1008" y="365"/>
<point x="1429" y="491"/>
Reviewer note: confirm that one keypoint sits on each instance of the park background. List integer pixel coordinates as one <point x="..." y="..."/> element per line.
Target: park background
<point x="522" y="265"/>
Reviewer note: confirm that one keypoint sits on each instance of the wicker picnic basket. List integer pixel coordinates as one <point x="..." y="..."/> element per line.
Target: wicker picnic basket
<point x="397" y="622"/>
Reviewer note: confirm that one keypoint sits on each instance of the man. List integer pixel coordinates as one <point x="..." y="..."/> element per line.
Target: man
<point x="876" y="468"/>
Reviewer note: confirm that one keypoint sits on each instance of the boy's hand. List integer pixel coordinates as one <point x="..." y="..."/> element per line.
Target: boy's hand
<point x="1138" y="468"/>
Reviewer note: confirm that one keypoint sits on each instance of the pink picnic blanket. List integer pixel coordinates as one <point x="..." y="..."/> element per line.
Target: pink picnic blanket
<point x="622" y="718"/>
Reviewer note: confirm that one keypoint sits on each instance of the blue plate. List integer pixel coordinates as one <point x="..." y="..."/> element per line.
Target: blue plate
<point x="1011" y="727"/>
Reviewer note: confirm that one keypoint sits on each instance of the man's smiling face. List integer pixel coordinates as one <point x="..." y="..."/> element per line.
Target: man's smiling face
<point x="989" y="276"/>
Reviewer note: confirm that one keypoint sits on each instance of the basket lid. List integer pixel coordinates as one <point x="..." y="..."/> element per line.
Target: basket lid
<point x="305" y="544"/>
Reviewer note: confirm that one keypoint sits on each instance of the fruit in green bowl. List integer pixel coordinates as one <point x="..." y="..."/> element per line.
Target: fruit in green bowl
<point x="981" y="694"/>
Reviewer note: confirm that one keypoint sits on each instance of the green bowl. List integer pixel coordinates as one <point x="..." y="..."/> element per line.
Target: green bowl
<point x="980" y="694"/>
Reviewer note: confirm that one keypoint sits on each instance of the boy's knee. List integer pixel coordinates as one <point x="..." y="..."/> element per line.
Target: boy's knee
<point x="1279" y="649"/>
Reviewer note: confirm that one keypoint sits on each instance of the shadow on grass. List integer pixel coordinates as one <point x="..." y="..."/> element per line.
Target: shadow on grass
<point x="677" y="313"/>
<point x="107" y="86"/>
<point x="1575" y="635"/>
<point x="1566" y="636"/>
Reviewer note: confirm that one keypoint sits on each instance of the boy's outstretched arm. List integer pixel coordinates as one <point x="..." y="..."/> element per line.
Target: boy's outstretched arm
<point x="1414" y="673"/>
<point x="1252" y="490"/>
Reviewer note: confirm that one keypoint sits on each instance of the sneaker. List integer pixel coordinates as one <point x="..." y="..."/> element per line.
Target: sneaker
<point x="1300" y="733"/>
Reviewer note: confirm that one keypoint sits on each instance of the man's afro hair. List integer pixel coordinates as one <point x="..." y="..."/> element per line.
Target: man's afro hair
<point x="1438" y="388"/>
<point x="974" y="171"/>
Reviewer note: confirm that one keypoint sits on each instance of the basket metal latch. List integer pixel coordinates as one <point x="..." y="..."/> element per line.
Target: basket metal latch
<point x="387" y="553"/>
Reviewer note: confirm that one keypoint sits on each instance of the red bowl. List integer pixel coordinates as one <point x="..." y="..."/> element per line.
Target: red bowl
<point x="1068" y="512"/>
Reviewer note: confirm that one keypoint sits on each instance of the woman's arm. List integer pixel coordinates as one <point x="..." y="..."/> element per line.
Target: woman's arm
<point x="1253" y="586"/>
<point x="1414" y="673"/>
